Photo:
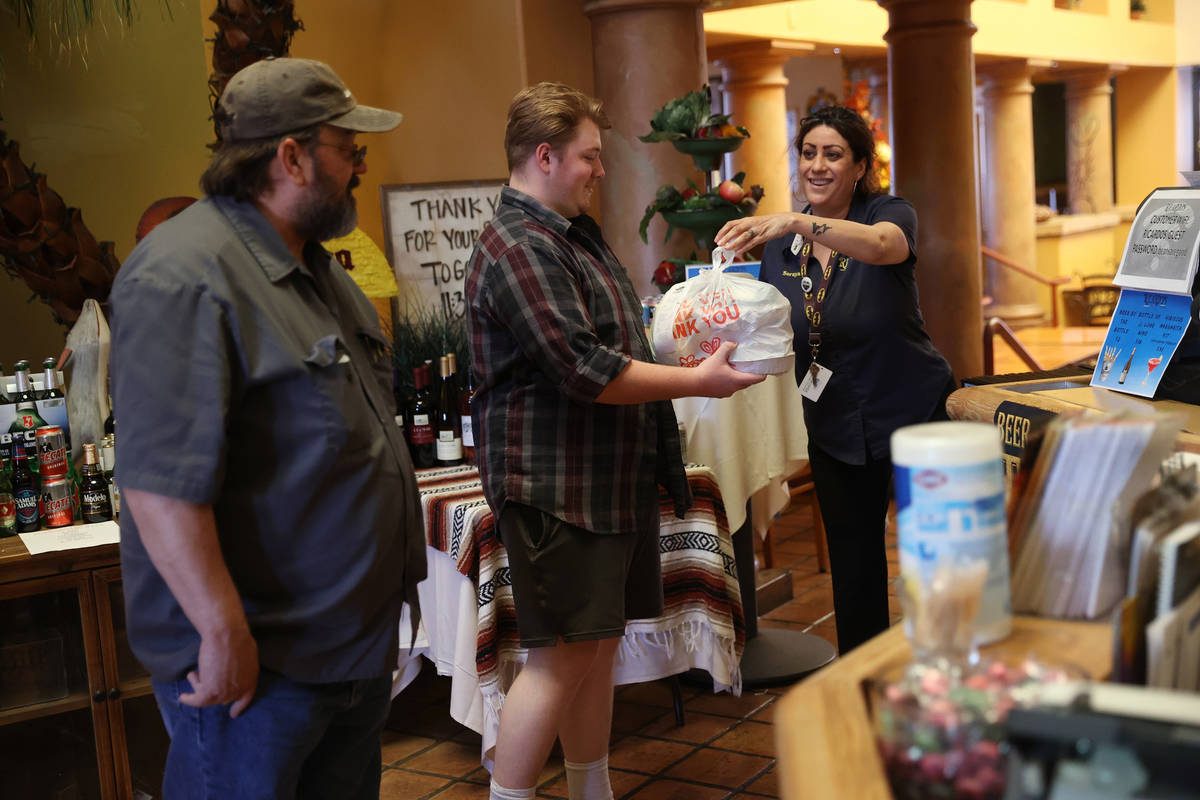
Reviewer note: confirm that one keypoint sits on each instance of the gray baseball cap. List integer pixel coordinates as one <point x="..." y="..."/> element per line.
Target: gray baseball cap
<point x="280" y="95"/>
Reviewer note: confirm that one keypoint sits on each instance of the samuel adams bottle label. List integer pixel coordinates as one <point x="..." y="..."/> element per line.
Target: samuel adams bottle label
<point x="25" y="494"/>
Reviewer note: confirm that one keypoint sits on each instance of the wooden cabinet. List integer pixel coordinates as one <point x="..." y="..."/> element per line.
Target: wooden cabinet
<point x="77" y="714"/>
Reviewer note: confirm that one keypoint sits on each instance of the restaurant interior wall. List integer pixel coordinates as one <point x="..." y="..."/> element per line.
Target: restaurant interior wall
<point x="114" y="129"/>
<point x="131" y="123"/>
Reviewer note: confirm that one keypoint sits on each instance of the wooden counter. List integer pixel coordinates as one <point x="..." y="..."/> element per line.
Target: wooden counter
<point x="1026" y="399"/>
<point x="823" y="737"/>
<point x="17" y="565"/>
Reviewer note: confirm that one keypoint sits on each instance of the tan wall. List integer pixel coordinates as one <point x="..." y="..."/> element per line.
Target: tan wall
<point x="451" y="67"/>
<point x="112" y="135"/>
<point x="1144" y="145"/>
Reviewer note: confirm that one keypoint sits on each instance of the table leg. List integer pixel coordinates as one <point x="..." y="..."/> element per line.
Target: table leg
<point x="773" y="656"/>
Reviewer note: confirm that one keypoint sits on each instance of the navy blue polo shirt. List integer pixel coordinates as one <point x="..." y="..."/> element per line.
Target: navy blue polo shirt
<point x="886" y="371"/>
<point x="260" y="384"/>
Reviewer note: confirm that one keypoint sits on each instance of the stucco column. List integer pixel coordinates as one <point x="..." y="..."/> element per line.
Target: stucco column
<point x="931" y="78"/>
<point x="754" y="83"/>
<point x="1008" y="190"/>
<point x="1089" y="140"/>
<point x="645" y="52"/>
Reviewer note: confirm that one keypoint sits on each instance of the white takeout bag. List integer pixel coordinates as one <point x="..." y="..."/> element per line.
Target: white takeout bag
<point x="696" y="316"/>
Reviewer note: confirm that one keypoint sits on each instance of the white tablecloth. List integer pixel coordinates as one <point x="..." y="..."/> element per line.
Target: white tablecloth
<point x="468" y="628"/>
<point x="753" y="441"/>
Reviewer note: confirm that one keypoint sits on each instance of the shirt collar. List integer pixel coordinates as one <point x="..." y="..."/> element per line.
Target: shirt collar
<point x="263" y="241"/>
<point x="536" y="209"/>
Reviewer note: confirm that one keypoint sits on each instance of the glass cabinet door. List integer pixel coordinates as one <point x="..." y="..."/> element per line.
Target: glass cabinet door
<point x="54" y="744"/>
<point x="139" y="739"/>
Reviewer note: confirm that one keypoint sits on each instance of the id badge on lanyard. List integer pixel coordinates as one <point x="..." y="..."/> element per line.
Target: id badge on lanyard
<point x="817" y="377"/>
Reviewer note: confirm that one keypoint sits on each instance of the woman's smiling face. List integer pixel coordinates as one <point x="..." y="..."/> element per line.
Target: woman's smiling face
<point x="828" y="171"/>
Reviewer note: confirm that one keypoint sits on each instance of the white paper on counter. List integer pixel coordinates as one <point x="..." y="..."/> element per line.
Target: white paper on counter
<point x="72" y="537"/>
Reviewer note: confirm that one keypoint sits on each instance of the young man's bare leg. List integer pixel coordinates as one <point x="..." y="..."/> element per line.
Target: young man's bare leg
<point x="539" y="699"/>
<point x="586" y="729"/>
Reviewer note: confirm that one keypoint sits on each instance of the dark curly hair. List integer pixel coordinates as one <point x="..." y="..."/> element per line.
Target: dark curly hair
<point x="853" y="128"/>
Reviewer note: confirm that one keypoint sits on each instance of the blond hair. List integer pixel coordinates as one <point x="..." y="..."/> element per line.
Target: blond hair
<point x="546" y="112"/>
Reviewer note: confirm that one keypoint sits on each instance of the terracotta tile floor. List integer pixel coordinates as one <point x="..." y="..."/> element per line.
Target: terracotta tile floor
<point x="724" y="750"/>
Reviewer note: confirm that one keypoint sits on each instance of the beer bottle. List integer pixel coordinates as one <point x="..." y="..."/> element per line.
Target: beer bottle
<point x="448" y="425"/>
<point x="465" y="402"/>
<point x="8" y="507"/>
<point x="420" y="415"/>
<point x="97" y="504"/>
<point x="50" y="382"/>
<point x="108" y="463"/>
<point x="24" y="489"/>
<point x="27" y="419"/>
<point x="3" y="387"/>
<point x="24" y="391"/>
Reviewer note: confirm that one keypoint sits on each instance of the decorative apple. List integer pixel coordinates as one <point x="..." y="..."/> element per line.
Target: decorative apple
<point x="733" y="192"/>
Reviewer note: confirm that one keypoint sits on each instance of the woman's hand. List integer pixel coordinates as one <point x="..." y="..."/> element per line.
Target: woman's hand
<point x="742" y="234"/>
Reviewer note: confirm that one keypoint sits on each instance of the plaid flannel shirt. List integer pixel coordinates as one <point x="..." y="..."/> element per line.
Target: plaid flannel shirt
<point x="552" y="317"/>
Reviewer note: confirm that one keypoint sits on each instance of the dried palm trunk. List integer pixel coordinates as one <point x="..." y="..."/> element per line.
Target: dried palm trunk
<point x="46" y="244"/>
<point x="248" y="31"/>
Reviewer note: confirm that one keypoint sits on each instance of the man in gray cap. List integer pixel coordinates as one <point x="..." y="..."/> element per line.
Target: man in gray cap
<point x="272" y="527"/>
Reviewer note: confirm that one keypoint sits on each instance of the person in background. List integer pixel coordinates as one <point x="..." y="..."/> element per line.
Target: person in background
<point x="273" y="528"/>
<point x="574" y="436"/>
<point x="864" y="362"/>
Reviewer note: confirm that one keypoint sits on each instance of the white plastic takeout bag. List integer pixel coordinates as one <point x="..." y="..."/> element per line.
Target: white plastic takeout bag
<point x="696" y="316"/>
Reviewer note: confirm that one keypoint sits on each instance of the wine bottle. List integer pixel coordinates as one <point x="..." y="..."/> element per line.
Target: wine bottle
<point x="420" y="420"/>
<point x="1125" y="370"/>
<point x="466" y="401"/>
<point x="447" y="425"/>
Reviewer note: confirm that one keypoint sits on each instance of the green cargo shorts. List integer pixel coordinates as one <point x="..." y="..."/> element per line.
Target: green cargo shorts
<point x="576" y="585"/>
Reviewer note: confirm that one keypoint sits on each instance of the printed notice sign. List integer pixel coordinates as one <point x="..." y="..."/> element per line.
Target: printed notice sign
<point x="431" y="230"/>
<point x="1145" y="330"/>
<point x="1161" y="251"/>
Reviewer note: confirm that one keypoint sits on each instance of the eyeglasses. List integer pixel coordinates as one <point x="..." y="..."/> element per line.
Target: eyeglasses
<point x="357" y="154"/>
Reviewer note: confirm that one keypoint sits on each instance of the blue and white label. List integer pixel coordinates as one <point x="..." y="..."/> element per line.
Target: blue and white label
<point x="954" y="515"/>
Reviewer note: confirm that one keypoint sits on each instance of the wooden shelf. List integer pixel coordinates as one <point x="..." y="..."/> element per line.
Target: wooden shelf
<point x="72" y="702"/>
<point x="135" y="687"/>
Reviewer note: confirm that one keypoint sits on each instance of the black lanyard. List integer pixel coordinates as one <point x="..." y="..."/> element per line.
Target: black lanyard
<point x="815" y="301"/>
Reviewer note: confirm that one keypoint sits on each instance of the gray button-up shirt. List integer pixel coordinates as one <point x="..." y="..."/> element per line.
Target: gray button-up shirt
<point x="245" y="379"/>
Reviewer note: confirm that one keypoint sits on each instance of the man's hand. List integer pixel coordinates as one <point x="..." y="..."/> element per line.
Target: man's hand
<point x="226" y="672"/>
<point x="718" y="379"/>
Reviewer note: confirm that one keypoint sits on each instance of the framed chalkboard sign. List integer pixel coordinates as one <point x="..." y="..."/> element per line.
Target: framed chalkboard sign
<point x="431" y="229"/>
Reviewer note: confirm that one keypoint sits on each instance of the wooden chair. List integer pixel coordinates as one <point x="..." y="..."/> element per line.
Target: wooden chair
<point x="801" y="483"/>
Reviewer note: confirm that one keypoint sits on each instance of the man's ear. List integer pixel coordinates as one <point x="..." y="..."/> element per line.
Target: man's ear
<point x="542" y="156"/>
<point x="290" y="156"/>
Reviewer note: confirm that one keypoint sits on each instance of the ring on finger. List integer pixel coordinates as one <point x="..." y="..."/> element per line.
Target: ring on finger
<point x="750" y="232"/>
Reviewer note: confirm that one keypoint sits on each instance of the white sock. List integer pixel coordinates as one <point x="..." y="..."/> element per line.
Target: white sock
<point x="588" y="781"/>
<point x="498" y="792"/>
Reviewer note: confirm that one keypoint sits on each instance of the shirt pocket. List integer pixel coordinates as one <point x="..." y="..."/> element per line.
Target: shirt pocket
<point x="335" y="397"/>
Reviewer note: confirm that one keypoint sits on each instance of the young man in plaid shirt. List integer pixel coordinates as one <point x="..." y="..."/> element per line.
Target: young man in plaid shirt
<point x="576" y="434"/>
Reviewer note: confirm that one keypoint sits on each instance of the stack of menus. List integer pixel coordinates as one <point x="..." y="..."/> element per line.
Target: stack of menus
<point x="1156" y="275"/>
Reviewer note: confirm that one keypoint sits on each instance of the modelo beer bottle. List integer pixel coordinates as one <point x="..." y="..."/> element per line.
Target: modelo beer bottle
<point x="96" y="502"/>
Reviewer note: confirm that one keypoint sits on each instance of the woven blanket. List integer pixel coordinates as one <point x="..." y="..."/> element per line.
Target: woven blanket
<point x="702" y="625"/>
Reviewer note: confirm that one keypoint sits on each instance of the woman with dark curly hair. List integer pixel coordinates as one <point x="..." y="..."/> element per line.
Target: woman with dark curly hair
<point x="864" y="362"/>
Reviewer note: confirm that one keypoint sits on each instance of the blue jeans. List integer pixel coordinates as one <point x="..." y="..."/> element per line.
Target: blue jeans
<point x="294" y="740"/>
